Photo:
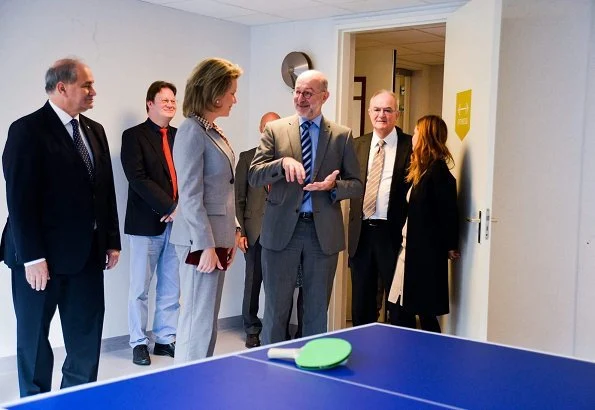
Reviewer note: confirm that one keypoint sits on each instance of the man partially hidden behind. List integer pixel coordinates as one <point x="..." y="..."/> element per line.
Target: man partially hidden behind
<point x="62" y="229"/>
<point x="376" y="220"/>
<point x="249" y="211"/>
<point x="152" y="203"/>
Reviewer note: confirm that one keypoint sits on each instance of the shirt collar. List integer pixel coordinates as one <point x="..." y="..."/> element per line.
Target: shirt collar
<point x="390" y="139"/>
<point x="63" y="115"/>
<point x="154" y="126"/>
<point x="315" y="120"/>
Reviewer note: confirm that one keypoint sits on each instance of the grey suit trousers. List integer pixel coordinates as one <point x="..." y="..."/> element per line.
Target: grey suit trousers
<point x="200" y="295"/>
<point x="279" y="271"/>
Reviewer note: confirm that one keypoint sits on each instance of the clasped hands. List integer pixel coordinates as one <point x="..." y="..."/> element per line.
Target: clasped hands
<point x="294" y="171"/>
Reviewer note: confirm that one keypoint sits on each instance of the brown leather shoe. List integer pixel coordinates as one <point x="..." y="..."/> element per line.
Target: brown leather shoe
<point x="252" y="341"/>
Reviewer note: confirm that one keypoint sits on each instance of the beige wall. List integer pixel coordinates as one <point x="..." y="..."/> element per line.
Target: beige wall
<point x="377" y="66"/>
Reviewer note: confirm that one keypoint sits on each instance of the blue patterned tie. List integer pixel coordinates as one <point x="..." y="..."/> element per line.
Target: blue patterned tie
<point x="306" y="156"/>
<point x="80" y="147"/>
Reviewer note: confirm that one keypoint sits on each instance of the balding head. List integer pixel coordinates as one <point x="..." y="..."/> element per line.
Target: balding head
<point x="268" y="117"/>
<point x="310" y="93"/>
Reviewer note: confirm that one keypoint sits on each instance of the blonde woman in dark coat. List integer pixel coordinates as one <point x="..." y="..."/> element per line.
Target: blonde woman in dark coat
<point x="430" y="235"/>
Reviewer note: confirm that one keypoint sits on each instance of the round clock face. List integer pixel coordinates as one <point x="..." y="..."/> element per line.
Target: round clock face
<point x="293" y="65"/>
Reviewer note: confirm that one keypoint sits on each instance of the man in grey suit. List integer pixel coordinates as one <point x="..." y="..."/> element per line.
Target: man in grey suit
<point x="249" y="211"/>
<point x="311" y="166"/>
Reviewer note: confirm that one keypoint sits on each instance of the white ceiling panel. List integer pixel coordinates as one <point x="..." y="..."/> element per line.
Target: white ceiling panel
<point x="380" y="5"/>
<point x="257" y="19"/>
<point x="318" y="11"/>
<point x="246" y="11"/>
<point x="210" y="8"/>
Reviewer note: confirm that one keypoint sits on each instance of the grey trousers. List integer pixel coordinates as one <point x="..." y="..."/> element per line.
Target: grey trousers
<point x="279" y="271"/>
<point x="199" y="309"/>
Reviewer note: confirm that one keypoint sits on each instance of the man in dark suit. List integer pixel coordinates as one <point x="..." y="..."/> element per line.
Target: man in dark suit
<point x="151" y="208"/>
<point x="249" y="211"/>
<point x="376" y="220"/>
<point x="62" y="229"/>
<point x="311" y="166"/>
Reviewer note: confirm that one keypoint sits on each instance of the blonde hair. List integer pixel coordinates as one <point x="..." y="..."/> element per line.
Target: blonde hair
<point x="209" y="81"/>
<point x="431" y="146"/>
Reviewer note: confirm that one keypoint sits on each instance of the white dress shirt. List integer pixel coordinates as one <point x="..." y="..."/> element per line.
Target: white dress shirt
<point x="390" y="154"/>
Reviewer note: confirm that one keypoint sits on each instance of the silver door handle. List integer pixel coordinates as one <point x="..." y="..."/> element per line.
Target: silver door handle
<point x="473" y="219"/>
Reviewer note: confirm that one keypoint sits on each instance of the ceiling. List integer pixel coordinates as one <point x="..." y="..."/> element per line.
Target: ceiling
<point x="258" y="12"/>
<point x="417" y="47"/>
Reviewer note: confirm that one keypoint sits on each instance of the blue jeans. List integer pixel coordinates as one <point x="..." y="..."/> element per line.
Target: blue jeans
<point x="150" y="254"/>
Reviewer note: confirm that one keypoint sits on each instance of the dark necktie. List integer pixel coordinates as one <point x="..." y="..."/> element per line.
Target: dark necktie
<point x="306" y="156"/>
<point x="169" y="160"/>
<point x="80" y="147"/>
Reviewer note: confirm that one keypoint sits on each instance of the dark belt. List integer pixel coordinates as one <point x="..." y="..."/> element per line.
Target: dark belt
<point x="308" y="216"/>
<point x="374" y="222"/>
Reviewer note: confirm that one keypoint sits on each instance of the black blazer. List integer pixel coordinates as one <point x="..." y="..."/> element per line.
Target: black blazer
<point x="53" y="205"/>
<point x="249" y="200"/>
<point x="150" y="187"/>
<point x="432" y="231"/>
<point x="397" y="210"/>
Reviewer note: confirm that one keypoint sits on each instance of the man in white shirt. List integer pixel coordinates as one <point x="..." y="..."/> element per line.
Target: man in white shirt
<point x="376" y="220"/>
<point x="62" y="229"/>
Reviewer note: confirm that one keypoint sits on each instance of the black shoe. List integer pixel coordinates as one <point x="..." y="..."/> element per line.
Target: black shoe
<point x="140" y="355"/>
<point x="165" y="350"/>
<point x="252" y="341"/>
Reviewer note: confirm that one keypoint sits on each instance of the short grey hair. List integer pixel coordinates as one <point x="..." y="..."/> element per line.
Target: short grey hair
<point x="64" y="70"/>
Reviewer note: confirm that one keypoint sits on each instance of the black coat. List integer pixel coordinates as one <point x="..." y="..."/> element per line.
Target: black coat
<point x="398" y="189"/>
<point x="53" y="204"/>
<point x="432" y="231"/>
<point x="150" y="189"/>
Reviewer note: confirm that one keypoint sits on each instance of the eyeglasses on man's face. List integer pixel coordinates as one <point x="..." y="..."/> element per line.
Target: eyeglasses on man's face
<point x="378" y="110"/>
<point x="305" y="94"/>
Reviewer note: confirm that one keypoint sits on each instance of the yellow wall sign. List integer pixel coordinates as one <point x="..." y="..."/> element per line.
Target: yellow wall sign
<point x="463" y="114"/>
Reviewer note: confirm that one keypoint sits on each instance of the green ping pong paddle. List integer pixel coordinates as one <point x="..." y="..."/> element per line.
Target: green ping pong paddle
<point x="317" y="354"/>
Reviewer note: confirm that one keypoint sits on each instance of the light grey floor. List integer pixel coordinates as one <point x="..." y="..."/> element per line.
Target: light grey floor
<point x="113" y="363"/>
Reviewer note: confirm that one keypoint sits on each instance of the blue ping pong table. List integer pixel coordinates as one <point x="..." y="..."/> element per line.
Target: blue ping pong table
<point x="390" y="368"/>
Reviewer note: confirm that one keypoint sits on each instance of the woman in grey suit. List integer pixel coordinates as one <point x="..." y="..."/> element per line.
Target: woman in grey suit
<point x="204" y="231"/>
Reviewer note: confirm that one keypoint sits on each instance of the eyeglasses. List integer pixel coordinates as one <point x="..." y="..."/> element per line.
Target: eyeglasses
<point x="306" y="94"/>
<point x="166" y="101"/>
<point x="377" y="110"/>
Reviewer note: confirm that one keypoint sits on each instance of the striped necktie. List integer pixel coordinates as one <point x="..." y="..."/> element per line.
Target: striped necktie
<point x="373" y="182"/>
<point x="306" y="156"/>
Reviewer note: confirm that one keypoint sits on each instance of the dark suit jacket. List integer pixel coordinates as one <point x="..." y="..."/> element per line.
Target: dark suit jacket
<point x="53" y="205"/>
<point x="397" y="205"/>
<point x="150" y="187"/>
<point x="249" y="200"/>
<point x="334" y="152"/>
<point x="432" y="230"/>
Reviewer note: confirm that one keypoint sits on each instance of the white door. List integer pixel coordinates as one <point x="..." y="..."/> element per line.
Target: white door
<point x="471" y="63"/>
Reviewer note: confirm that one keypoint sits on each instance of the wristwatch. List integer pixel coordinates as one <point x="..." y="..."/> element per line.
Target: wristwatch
<point x="238" y="229"/>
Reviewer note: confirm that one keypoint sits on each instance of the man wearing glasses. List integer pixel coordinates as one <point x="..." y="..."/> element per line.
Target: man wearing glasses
<point x="151" y="208"/>
<point x="311" y="166"/>
<point x="376" y="220"/>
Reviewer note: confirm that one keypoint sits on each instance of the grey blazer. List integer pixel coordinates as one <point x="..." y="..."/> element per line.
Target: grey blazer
<point x="335" y="151"/>
<point x="206" y="207"/>
<point x="249" y="199"/>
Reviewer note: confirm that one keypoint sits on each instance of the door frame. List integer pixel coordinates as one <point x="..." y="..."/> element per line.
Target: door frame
<point x="345" y="30"/>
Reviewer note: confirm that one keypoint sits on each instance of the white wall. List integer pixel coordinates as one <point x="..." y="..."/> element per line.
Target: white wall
<point x="538" y="190"/>
<point x="128" y="44"/>
<point x="268" y="92"/>
<point x="584" y="343"/>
